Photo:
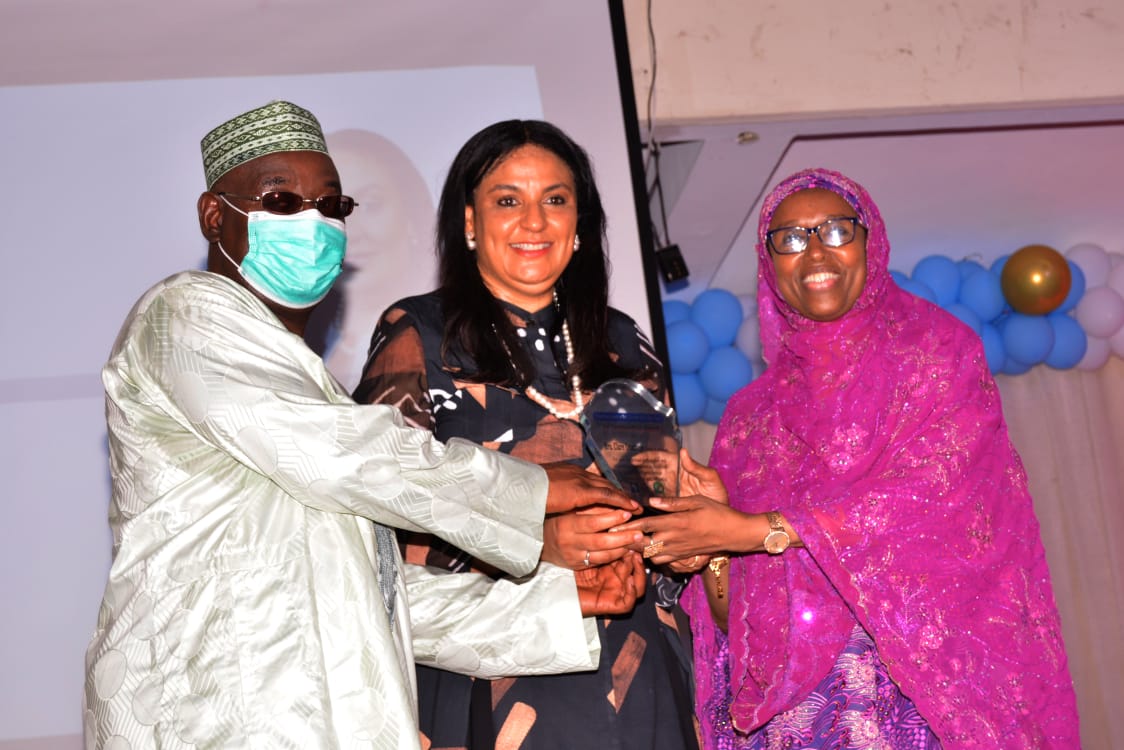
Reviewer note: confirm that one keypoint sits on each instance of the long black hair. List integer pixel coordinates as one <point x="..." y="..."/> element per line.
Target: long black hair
<point x="473" y="316"/>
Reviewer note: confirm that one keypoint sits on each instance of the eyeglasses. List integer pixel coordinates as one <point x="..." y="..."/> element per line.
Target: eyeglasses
<point x="281" y="202"/>
<point x="793" y="240"/>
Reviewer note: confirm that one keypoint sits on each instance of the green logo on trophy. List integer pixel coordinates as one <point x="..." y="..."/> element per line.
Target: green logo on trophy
<point x="634" y="439"/>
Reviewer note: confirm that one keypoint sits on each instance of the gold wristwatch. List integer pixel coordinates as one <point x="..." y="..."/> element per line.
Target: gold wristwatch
<point x="777" y="540"/>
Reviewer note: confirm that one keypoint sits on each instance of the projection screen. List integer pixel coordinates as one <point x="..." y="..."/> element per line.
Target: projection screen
<point x="103" y="108"/>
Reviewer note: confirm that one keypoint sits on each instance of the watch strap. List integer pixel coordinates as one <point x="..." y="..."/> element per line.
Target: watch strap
<point x="777" y="540"/>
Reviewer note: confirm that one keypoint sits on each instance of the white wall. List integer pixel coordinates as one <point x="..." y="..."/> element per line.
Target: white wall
<point x="735" y="59"/>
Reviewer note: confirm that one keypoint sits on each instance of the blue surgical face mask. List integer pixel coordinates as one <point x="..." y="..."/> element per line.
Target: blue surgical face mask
<point x="291" y="259"/>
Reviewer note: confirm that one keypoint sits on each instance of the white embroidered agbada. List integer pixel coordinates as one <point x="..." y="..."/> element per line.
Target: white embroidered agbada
<point x="243" y="608"/>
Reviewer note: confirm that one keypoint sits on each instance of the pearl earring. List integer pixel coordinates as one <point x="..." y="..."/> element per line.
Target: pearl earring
<point x="470" y="240"/>
<point x="577" y="243"/>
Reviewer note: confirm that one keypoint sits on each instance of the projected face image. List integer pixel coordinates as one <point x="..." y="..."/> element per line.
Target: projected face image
<point x="392" y="197"/>
<point x="389" y="246"/>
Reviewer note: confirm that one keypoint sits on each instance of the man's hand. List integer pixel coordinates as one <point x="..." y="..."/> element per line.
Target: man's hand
<point x="611" y="589"/>
<point x="580" y="539"/>
<point x="573" y="487"/>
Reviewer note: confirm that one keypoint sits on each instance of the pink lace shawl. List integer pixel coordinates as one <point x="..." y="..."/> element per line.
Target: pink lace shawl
<point x="880" y="438"/>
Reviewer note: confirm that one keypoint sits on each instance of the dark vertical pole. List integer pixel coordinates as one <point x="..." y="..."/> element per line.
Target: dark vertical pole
<point x="639" y="186"/>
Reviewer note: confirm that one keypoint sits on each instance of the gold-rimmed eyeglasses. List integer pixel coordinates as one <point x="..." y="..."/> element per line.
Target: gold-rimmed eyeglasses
<point x="282" y="202"/>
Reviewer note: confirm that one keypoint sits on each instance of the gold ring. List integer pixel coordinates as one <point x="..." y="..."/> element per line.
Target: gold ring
<point x="586" y="560"/>
<point x="654" y="547"/>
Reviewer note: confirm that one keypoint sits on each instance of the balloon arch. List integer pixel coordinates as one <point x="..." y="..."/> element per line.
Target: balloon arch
<point x="1034" y="306"/>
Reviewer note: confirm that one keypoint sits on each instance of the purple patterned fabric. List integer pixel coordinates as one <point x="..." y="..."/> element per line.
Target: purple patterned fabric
<point x="857" y="706"/>
<point x="881" y="439"/>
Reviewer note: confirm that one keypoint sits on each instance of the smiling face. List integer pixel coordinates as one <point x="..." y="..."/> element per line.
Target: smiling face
<point x="821" y="283"/>
<point x="524" y="217"/>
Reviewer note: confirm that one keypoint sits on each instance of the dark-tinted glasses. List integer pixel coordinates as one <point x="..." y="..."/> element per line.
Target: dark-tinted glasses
<point x="281" y="202"/>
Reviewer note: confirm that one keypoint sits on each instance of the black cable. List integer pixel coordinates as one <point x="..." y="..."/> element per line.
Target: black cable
<point x="653" y="147"/>
<point x="669" y="259"/>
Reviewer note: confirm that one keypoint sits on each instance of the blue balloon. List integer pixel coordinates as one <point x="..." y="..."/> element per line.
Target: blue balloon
<point x="675" y="310"/>
<point x="967" y="316"/>
<point x="982" y="293"/>
<point x="1026" y="339"/>
<point x="1070" y="342"/>
<point x="898" y="277"/>
<point x="688" y="397"/>
<point x="968" y="267"/>
<point x="712" y="413"/>
<point x="687" y="346"/>
<point x="1076" y="288"/>
<point x="919" y="289"/>
<point x="997" y="265"/>
<point x="993" y="347"/>
<point x="725" y="371"/>
<point x="1014" y="367"/>
<point x="719" y="313"/>
<point x="940" y="274"/>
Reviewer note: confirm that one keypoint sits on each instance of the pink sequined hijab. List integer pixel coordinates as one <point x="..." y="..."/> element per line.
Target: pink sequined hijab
<point x="881" y="439"/>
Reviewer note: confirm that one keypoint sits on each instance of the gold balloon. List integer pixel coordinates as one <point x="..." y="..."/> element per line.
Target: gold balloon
<point x="1035" y="280"/>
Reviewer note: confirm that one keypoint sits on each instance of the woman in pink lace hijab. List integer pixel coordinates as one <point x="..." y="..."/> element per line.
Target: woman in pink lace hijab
<point x="878" y="578"/>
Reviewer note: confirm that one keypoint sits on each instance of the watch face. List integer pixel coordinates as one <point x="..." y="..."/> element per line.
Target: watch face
<point x="776" y="542"/>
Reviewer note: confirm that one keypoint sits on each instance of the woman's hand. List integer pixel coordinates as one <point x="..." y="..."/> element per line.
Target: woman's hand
<point x="694" y="479"/>
<point x="692" y="564"/>
<point x="700" y="479"/>
<point x="611" y="589"/>
<point x="580" y="539"/>
<point x="691" y="526"/>
<point x="573" y="487"/>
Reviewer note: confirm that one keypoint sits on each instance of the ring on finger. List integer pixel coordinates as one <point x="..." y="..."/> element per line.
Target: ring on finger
<point x="654" y="547"/>
<point x="586" y="559"/>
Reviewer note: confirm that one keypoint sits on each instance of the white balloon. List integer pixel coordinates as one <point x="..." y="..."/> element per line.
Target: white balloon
<point x="748" y="339"/>
<point x="1115" y="279"/>
<point x="1100" y="311"/>
<point x="1116" y="342"/>
<point x="749" y="305"/>
<point x="1096" y="354"/>
<point x="1115" y="259"/>
<point x="1093" y="261"/>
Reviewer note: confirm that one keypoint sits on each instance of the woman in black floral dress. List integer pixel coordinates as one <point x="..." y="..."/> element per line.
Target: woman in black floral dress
<point x="505" y="353"/>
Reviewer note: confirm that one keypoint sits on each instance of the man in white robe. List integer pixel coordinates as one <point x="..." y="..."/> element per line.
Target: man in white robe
<point x="251" y="602"/>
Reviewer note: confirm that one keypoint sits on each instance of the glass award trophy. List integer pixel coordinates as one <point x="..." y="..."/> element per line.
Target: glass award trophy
<point x="634" y="439"/>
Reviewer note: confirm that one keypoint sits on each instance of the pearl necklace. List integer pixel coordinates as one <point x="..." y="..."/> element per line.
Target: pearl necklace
<point x="575" y="381"/>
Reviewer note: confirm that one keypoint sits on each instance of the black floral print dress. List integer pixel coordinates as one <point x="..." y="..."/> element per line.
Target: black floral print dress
<point x="640" y="698"/>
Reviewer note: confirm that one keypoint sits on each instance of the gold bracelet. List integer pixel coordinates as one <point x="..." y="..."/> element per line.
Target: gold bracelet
<point x="716" y="565"/>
